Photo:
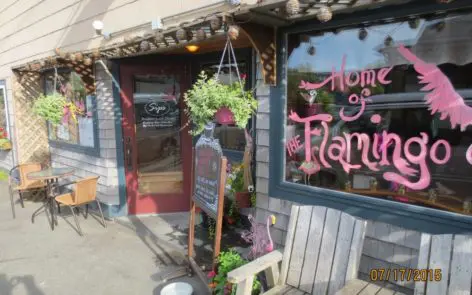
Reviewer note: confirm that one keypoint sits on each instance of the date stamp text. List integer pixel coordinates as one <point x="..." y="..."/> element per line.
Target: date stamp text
<point x="406" y="274"/>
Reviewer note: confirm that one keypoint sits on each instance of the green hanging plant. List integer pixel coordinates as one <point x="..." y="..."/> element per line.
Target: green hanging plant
<point x="208" y="95"/>
<point x="50" y="107"/>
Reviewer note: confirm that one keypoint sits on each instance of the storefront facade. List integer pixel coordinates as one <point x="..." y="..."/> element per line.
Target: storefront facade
<point x="369" y="127"/>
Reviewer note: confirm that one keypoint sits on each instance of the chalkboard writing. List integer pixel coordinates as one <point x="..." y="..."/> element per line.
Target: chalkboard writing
<point x="157" y="113"/>
<point x="207" y="172"/>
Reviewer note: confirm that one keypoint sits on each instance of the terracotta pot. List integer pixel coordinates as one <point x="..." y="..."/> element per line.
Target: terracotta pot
<point x="243" y="199"/>
<point x="224" y="116"/>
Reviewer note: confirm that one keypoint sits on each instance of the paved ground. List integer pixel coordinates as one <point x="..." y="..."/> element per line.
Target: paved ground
<point x="128" y="257"/>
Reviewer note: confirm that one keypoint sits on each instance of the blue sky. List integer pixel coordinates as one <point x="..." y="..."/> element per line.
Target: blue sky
<point x="330" y="48"/>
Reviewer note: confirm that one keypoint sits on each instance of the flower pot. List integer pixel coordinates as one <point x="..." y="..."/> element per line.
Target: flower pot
<point x="6" y="146"/>
<point x="224" y="116"/>
<point x="243" y="199"/>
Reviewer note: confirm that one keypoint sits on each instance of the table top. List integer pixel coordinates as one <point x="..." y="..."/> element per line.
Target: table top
<point x="51" y="173"/>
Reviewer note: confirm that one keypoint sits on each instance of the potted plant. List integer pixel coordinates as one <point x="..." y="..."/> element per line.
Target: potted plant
<point x="55" y="108"/>
<point x="5" y="143"/>
<point x="235" y="184"/>
<point x="209" y="99"/>
<point x="228" y="261"/>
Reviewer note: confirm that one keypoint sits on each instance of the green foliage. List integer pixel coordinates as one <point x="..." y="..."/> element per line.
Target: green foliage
<point x="3" y="175"/>
<point x="253" y="199"/>
<point x="208" y="95"/>
<point x="50" y="107"/>
<point x="236" y="179"/>
<point x="228" y="261"/>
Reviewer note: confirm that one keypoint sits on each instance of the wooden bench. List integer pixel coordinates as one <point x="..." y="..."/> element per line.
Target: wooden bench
<point x="322" y="253"/>
<point x="452" y="255"/>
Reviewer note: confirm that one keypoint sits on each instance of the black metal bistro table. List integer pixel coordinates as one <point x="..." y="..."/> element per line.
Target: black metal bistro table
<point x="51" y="176"/>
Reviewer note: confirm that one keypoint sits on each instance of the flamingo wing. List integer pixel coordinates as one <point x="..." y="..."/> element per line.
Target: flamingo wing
<point x="442" y="97"/>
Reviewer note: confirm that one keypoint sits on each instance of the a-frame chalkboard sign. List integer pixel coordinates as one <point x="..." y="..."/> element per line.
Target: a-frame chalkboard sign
<point x="208" y="185"/>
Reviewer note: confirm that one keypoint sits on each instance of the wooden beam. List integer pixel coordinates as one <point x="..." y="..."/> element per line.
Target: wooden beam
<point x="263" y="39"/>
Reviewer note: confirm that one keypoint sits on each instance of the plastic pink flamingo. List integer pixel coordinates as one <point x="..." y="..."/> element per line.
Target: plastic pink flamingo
<point x="259" y="237"/>
<point x="443" y="98"/>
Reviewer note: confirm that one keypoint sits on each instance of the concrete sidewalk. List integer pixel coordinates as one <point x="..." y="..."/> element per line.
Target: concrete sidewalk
<point x="128" y="257"/>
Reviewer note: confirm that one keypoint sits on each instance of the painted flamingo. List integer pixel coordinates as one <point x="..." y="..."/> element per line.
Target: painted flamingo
<point x="442" y="97"/>
<point x="259" y="236"/>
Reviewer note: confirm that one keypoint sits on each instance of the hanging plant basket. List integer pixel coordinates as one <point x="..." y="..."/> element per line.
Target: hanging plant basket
<point x="5" y="145"/>
<point x="224" y="116"/>
<point x="210" y="99"/>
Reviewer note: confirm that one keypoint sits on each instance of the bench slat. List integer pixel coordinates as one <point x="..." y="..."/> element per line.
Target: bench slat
<point x="441" y="246"/>
<point x="312" y="249"/>
<point x="423" y="262"/>
<point x="277" y="290"/>
<point x="328" y="244"/>
<point x="370" y="289"/>
<point x="461" y="266"/>
<point x="299" y="246"/>
<point x="341" y="253"/>
<point x="353" y="287"/>
<point x="289" y="243"/>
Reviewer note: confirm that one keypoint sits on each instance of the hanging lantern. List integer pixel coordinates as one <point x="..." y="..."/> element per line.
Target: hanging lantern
<point x="414" y="23"/>
<point x="88" y="61"/>
<point x="201" y="35"/>
<point x="160" y="37"/>
<point x="79" y="56"/>
<point x="128" y="39"/>
<point x="96" y="53"/>
<point x="292" y="7"/>
<point x="362" y="34"/>
<point x="388" y="41"/>
<point x="144" y="46"/>
<point x="304" y="38"/>
<point x="233" y="32"/>
<point x="311" y="50"/>
<point x="324" y="14"/>
<point x="181" y="34"/>
<point x="215" y="23"/>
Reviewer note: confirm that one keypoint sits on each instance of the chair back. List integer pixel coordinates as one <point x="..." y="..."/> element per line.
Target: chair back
<point x="322" y="250"/>
<point x="85" y="190"/>
<point x="25" y="169"/>
<point x="447" y="263"/>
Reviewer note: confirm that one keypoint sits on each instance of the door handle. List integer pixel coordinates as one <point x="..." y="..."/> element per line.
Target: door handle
<point x="129" y="153"/>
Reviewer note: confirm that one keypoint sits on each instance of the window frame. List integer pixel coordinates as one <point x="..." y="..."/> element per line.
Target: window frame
<point x="5" y="101"/>
<point x="87" y="150"/>
<point x="404" y="215"/>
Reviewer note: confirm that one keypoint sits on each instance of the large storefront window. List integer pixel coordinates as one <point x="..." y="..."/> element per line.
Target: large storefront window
<point x="383" y="111"/>
<point x="79" y="131"/>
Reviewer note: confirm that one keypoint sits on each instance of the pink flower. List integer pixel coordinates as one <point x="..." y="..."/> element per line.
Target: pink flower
<point x="211" y="274"/>
<point x="243" y="76"/>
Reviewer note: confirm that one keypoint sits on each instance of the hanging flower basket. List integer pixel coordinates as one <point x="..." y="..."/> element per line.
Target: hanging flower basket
<point x="5" y="145"/>
<point x="211" y="99"/>
<point x="224" y="116"/>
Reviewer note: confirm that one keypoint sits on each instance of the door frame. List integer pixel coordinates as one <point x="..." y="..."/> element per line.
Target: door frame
<point x="150" y="65"/>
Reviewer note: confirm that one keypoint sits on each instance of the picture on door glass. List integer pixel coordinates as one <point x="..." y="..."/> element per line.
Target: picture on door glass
<point x="157" y="118"/>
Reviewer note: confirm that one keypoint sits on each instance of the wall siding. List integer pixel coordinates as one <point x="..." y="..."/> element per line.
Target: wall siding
<point x="385" y="246"/>
<point x="105" y="165"/>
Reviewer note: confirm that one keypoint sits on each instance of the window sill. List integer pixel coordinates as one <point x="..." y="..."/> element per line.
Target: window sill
<point x="90" y="151"/>
<point x="404" y="215"/>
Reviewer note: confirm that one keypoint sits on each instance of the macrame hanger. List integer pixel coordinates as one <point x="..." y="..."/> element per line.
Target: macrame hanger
<point x="221" y="61"/>
<point x="231" y="58"/>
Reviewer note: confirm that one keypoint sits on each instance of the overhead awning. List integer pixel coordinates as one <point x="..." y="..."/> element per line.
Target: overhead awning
<point x="257" y="21"/>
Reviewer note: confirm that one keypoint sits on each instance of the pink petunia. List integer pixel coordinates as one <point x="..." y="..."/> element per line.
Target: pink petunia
<point x="243" y="76"/>
<point x="211" y="274"/>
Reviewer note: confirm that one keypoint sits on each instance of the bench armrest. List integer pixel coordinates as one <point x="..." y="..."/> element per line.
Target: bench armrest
<point x="254" y="267"/>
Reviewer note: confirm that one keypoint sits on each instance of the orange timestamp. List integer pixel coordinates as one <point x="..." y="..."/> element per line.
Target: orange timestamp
<point x="406" y="274"/>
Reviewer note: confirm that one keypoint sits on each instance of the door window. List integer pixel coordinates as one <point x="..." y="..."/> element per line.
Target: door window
<point x="157" y="119"/>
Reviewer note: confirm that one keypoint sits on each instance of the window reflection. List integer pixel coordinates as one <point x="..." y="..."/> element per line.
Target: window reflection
<point x="377" y="135"/>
